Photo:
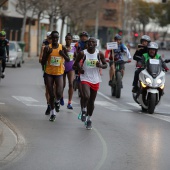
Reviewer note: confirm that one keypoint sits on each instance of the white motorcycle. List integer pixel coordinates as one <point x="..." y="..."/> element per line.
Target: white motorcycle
<point x="150" y="86"/>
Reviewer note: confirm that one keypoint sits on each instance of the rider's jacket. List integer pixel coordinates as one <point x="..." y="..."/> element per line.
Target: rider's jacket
<point x="118" y="52"/>
<point x="55" y="62"/>
<point x="80" y="46"/>
<point x="4" y="47"/>
<point x="146" y="57"/>
<point x="138" y="54"/>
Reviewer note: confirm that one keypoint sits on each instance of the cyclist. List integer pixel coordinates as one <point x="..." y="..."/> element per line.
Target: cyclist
<point x="69" y="72"/>
<point x="46" y="42"/>
<point x="118" y="55"/>
<point x="4" y="51"/>
<point x="54" y="57"/>
<point x="142" y="49"/>
<point x="80" y="46"/>
<point x="93" y="60"/>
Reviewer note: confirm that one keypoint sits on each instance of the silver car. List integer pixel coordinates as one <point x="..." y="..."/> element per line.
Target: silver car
<point x="15" y="54"/>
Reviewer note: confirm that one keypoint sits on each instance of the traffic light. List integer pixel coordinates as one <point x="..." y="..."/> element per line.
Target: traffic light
<point x="120" y="32"/>
<point x="136" y="34"/>
<point x="163" y="1"/>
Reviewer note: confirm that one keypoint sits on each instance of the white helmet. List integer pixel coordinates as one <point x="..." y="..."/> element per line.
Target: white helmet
<point x="48" y="34"/>
<point x="76" y="38"/>
<point x="153" y="45"/>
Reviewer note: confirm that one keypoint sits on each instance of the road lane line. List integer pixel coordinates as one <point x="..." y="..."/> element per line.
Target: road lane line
<point x="106" y="97"/>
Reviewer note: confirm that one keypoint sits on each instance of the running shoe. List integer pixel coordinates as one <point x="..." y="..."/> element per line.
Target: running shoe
<point x="52" y="118"/>
<point x="79" y="115"/>
<point x="3" y="75"/>
<point x="83" y="116"/>
<point x="62" y="101"/>
<point x="89" y="125"/>
<point x="47" y="112"/>
<point x="57" y="107"/>
<point x="69" y="106"/>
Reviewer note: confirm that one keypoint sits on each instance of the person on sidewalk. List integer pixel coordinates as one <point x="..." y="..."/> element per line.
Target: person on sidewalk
<point x="4" y="51"/>
<point x="90" y="77"/>
<point x="54" y="57"/>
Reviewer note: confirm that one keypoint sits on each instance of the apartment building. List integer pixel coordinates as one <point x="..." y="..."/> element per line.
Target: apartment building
<point x="110" y="20"/>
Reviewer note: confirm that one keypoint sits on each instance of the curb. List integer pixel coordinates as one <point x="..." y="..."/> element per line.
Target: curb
<point x="12" y="142"/>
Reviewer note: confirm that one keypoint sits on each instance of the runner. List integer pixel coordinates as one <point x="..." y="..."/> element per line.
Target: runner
<point x="69" y="72"/>
<point x="93" y="60"/>
<point x="4" y="51"/>
<point x="46" y="42"/>
<point x="80" y="46"/>
<point x="54" y="57"/>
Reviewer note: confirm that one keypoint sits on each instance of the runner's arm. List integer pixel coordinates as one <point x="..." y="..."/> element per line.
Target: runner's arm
<point x="64" y="54"/>
<point x="77" y="61"/>
<point x="103" y="63"/>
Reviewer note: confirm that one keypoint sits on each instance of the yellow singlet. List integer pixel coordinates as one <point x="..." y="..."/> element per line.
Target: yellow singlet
<point x="55" y="62"/>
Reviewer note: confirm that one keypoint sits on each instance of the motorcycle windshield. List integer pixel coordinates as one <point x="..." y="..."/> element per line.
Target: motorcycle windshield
<point x="154" y="67"/>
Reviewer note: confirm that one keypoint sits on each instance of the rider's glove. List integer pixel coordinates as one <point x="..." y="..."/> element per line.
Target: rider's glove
<point x="166" y="69"/>
<point x="167" y="60"/>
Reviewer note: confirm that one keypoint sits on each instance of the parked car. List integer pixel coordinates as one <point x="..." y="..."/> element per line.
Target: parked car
<point x="15" y="54"/>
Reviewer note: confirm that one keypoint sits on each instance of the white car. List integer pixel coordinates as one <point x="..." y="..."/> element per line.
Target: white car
<point x="15" y="54"/>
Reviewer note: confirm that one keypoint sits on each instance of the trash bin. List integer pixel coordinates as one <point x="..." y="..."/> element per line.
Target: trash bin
<point x="22" y="46"/>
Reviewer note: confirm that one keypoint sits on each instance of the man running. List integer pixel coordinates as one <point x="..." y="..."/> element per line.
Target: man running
<point x="4" y="51"/>
<point x="93" y="60"/>
<point x="54" y="57"/>
<point x="46" y="42"/>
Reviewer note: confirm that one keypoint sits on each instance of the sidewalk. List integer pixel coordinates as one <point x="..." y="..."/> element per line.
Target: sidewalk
<point x="11" y="142"/>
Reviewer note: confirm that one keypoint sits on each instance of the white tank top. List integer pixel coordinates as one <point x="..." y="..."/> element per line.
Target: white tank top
<point x="91" y="72"/>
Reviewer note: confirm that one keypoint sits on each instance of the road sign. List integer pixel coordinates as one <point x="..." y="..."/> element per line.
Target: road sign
<point x="112" y="45"/>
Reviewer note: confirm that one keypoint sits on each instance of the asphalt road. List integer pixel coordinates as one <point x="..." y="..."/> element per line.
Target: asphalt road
<point x="122" y="136"/>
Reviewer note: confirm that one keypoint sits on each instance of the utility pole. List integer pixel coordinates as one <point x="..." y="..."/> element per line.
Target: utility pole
<point x="96" y="24"/>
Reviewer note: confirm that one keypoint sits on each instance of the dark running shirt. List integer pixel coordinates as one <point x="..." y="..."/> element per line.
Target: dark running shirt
<point x="4" y="47"/>
<point x="45" y="42"/>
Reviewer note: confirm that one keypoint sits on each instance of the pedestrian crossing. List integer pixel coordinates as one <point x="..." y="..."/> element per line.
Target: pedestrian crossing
<point x="31" y="102"/>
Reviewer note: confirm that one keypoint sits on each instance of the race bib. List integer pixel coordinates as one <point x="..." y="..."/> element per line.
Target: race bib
<point x="55" y="61"/>
<point x="71" y="56"/>
<point x="91" y="62"/>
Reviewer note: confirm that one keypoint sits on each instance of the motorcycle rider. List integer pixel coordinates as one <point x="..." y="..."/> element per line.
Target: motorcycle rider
<point x="151" y="54"/>
<point x="142" y="48"/>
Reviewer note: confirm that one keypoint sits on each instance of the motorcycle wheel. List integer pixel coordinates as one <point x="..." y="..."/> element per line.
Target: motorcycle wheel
<point x="152" y="103"/>
<point x="118" y="84"/>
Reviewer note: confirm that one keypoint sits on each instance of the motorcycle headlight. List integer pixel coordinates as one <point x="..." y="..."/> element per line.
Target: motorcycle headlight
<point x="148" y="80"/>
<point x="159" y="81"/>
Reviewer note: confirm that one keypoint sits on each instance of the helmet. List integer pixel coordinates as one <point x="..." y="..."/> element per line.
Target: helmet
<point x="146" y="38"/>
<point x="2" y="33"/>
<point x="84" y="33"/>
<point x="76" y="38"/>
<point x="117" y="37"/>
<point x="153" y="45"/>
<point x="48" y="34"/>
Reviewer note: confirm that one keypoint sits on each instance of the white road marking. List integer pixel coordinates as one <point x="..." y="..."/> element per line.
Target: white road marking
<point x="2" y="103"/>
<point x="101" y="94"/>
<point x="162" y="117"/>
<point x="134" y="104"/>
<point x="104" y="103"/>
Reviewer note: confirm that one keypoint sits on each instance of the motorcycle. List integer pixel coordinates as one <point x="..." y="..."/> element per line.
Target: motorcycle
<point x="150" y="86"/>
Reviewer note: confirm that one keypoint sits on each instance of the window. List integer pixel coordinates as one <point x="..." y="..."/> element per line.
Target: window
<point x="110" y="14"/>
